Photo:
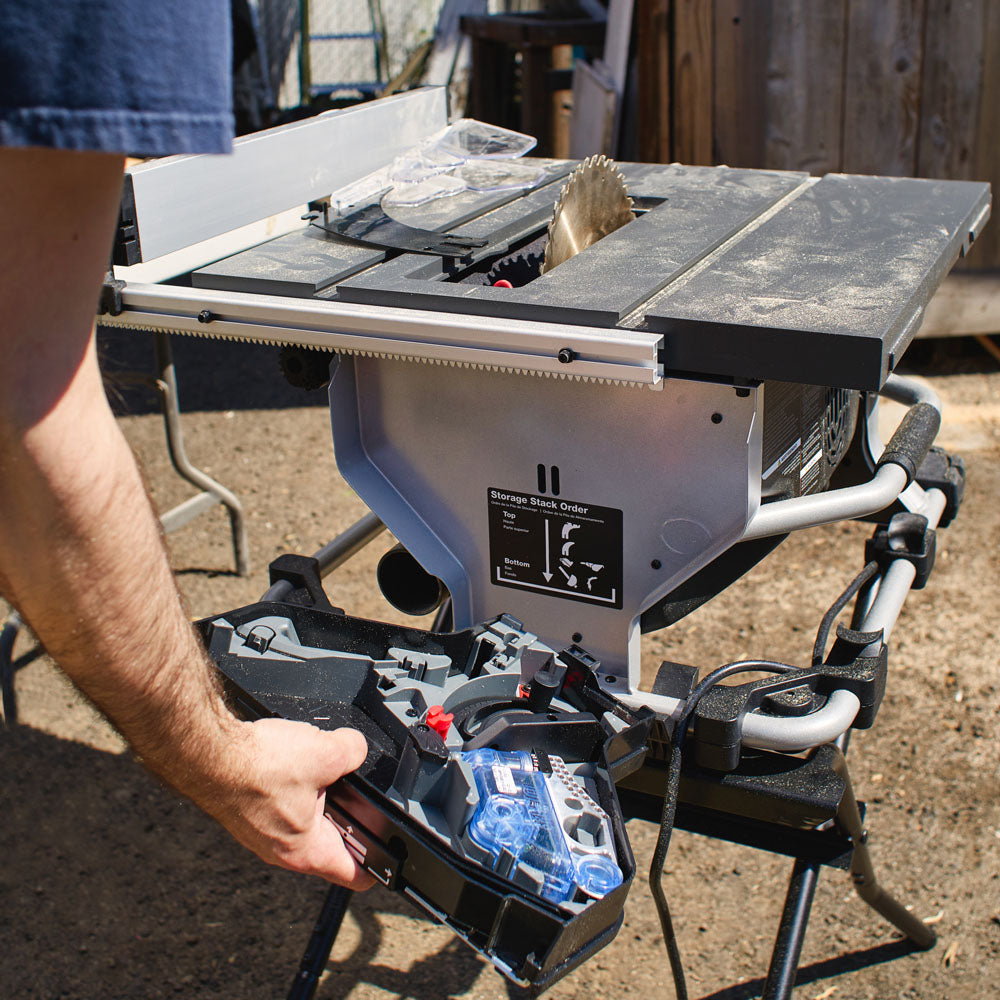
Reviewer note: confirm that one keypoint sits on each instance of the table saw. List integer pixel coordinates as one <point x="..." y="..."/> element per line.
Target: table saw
<point x="584" y="403"/>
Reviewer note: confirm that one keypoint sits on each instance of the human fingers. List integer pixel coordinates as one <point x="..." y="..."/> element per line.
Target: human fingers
<point x="340" y="752"/>
<point x="321" y="758"/>
<point x="346" y="750"/>
<point x="330" y="858"/>
<point x="321" y="851"/>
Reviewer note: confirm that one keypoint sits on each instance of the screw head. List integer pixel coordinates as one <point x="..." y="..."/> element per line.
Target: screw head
<point x="655" y="564"/>
<point x="566" y="355"/>
<point x="206" y="316"/>
<point x="716" y="418"/>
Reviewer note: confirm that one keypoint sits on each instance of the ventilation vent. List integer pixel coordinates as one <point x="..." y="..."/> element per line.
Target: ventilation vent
<point x="838" y="424"/>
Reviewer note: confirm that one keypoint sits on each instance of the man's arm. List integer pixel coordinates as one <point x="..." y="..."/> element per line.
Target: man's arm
<point x="80" y="548"/>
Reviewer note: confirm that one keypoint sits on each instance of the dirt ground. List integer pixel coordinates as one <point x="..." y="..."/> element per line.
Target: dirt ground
<point x="110" y="887"/>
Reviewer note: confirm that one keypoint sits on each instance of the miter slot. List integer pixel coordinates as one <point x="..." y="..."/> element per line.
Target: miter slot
<point x="826" y="290"/>
<point x="473" y="300"/>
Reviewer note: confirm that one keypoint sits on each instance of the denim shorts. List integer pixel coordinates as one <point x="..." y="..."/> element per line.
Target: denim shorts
<point x="145" y="77"/>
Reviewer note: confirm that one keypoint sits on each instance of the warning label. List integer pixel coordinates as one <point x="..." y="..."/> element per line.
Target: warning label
<point x="557" y="546"/>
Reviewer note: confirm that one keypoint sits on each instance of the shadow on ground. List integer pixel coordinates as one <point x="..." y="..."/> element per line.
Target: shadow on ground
<point x="851" y="962"/>
<point x="83" y="831"/>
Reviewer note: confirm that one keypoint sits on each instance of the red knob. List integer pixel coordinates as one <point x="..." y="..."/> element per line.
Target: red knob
<point x="439" y="720"/>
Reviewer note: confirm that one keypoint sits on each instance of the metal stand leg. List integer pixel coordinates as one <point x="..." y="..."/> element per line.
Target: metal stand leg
<point x="863" y="873"/>
<point x="317" y="952"/>
<point x="791" y="931"/>
<point x="215" y="492"/>
<point x="802" y="888"/>
<point x="7" y="636"/>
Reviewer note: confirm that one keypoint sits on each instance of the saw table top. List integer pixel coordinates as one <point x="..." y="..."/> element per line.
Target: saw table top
<point x="747" y="274"/>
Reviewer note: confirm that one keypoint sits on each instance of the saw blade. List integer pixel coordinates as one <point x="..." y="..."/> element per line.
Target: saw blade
<point x="593" y="203"/>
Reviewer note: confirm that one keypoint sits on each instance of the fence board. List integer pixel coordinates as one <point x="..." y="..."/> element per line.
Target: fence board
<point x="692" y="128"/>
<point x="953" y="74"/>
<point x="986" y="250"/>
<point x="882" y="86"/>
<point x="890" y="87"/>
<point x="653" y="117"/>
<point x="742" y="42"/>
<point x="804" y="93"/>
<point x="951" y="95"/>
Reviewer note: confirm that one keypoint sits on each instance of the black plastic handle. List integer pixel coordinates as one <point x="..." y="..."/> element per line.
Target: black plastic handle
<point x="914" y="436"/>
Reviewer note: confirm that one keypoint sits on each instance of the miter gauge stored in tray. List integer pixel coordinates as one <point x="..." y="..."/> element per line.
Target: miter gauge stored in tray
<point x="487" y="797"/>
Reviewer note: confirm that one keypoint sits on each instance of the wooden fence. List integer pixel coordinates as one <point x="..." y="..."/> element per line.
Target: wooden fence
<point x="898" y="87"/>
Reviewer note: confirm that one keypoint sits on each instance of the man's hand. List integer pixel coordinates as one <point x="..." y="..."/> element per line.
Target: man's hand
<point x="272" y="798"/>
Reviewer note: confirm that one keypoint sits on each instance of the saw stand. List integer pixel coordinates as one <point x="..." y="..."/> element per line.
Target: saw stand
<point x="801" y="807"/>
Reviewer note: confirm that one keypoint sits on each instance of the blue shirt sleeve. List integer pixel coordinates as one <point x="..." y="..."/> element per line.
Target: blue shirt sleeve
<point x="146" y="77"/>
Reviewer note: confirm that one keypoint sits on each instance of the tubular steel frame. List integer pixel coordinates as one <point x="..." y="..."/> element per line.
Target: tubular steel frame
<point x="164" y="381"/>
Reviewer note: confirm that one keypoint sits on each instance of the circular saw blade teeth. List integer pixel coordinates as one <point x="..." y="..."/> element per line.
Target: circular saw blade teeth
<point x="593" y="203"/>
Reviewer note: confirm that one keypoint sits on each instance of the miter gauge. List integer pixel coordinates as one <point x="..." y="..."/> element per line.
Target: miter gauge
<point x="593" y="203"/>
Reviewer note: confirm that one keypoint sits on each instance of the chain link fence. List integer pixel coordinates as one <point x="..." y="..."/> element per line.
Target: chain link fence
<point x="354" y="48"/>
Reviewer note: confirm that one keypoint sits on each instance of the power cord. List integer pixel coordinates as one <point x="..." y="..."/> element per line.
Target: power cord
<point x="670" y="802"/>
<point x="838" y="605"/>
<point x="674" y="765"/>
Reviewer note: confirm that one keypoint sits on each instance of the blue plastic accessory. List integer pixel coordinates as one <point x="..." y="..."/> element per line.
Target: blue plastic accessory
<point x="517" y="823"/>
